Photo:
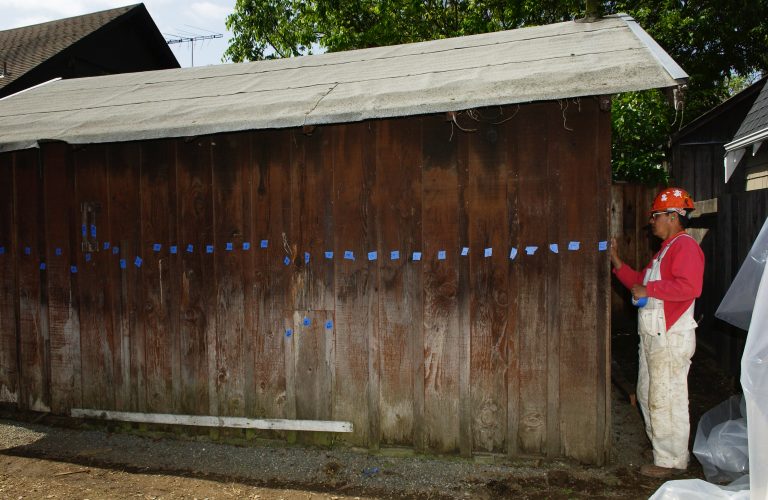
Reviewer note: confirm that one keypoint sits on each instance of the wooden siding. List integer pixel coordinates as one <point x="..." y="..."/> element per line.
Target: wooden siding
<point x="459" y="354"/>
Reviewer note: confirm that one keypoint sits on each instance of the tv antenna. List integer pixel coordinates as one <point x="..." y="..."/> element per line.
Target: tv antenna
<point x="191" y="38"/>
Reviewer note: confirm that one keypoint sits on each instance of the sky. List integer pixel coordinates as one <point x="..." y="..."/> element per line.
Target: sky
<point x="174" y="18"/>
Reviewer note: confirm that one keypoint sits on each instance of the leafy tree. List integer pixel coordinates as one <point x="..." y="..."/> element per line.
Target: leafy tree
<point x="718" y="42"/>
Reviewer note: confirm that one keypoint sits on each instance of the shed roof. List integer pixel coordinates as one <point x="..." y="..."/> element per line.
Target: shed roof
<point x="556" y="61"/>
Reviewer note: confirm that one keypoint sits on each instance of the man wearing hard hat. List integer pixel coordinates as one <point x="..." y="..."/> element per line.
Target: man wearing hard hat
<point x="665" y="292"/>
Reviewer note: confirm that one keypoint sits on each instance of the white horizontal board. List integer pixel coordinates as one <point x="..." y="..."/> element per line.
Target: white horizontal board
<point x="277" y="424"/>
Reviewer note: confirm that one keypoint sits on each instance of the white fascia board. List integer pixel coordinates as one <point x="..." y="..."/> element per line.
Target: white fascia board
<point x="669" y="64"/>
<point x="745" y="141"/>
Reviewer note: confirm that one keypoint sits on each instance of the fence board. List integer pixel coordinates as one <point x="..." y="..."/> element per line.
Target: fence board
<point x="488" y="285"/>
<point x="442" y="338"/>
<point x="398" y="195"/>
<point x="9" y="370"/>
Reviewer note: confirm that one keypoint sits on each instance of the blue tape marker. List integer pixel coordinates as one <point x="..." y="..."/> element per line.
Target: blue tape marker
<point x="106" y="245"/>
<point x="373" y="255"/>
<point x="328" y="255"/>
<point x="306" y="257"/>
<point x="42" y="266"/>
<point x="349" y="255"/>
<point x="602" y="246"/>
<point x="288" y="332"/>
<point x="574" y="245"/>
<point x="328" y="325"/>
<point x="488" y="252"/>
<point x="2" y="250"/>
<point x="115" y="250"/>
<point x="307" y="322"/>
<point x="58" y="252"/>
<point x="264" y="243"/>
<point x="27" y="251"/>
<point x="208" y="248"/>
<point x="441" y="255"/>
<point x="394" y="255"/>
<point x="93" y="230"/>
<point x="228" y="247"/>
<point x="123" y="264"/>
<point x="174" y="249"/>
<point x="156" y="247"/>
<point x="513" y="254"/>
<point x="84" y="230"/>
<point x="464" y="251"/>
<point x="416" y="256"/>
<point x="246" y="245"/>
<point x="531" y="250"/>
<point x="88" y="257"/>
<point x="137" y="262"/>
<point x="73" y="269"/>
<point x="554" y="248"/>
<point x="190" y="248"/>
<point x="287" y="260"/>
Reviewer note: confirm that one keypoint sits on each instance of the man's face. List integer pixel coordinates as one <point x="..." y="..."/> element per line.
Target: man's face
<point x="661" y="224"/>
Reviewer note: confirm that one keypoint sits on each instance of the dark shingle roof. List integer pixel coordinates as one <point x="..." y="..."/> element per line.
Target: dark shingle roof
<point x="757" y="118"/>
<point x="23" y="49"/>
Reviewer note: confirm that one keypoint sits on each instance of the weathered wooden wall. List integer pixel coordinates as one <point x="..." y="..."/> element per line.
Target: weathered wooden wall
<point x="463" y="354"/>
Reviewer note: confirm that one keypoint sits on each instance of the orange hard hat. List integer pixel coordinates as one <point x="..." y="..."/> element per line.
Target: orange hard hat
<point x="672" y="200"/>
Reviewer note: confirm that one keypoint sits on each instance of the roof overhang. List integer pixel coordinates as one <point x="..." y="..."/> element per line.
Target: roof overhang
<point x="736" y="150"/>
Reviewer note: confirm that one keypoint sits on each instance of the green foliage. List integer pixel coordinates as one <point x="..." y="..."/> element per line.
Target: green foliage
<point x="718" y="42"/>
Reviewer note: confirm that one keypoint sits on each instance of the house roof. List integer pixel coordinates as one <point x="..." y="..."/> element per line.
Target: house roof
<point x="556" y="61"/>
<point x="751" y="134"/>
<point x="23" y="49"/>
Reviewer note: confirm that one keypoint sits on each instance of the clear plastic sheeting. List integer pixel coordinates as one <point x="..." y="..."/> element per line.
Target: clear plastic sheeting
<point x="739" y="302"/>
<point x="696" y="489"/>
<point x="721" y="441"/>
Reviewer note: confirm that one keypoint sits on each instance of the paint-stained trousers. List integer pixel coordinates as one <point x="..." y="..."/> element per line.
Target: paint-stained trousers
<point x="662" y="389"/>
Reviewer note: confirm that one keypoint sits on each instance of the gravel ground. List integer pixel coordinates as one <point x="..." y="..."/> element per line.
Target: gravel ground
<point x="124" y="457"/>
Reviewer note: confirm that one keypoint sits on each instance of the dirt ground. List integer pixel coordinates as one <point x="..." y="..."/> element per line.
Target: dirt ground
<point x="45" y="457"/>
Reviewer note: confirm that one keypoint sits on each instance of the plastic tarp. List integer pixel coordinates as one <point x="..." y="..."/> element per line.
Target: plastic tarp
<point x="721" y="441"/>
<point x="745" y="305"/>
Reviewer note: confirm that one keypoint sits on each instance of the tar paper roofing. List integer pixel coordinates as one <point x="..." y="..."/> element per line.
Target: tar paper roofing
<point x="556" y="61"/>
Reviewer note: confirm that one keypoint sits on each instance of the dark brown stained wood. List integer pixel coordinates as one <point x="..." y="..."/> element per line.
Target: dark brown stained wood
<point x="356" y="322"/>
<point x="158" y="164"/>
<point x="510" y="130"/>
<point x="63" y="304"/>
<point x="250" y="301"/>
<point x="230" y="153"/>
<point x="312" y="371"/>
<point x="398" y="196"/>
<point x="195" y="224"/>
<point x="9" y="370"/>
<point x="562" y="148"/>
<point x="270" y="215"/>
<point x="576" y="320"/>
<point x="125" y="234"/>
<point x="464" y="299"/>
<point x="533" y="188"/>
<point x="442" y="339"/>
<point x="96" y="326"/>
<point x="488" y="288"/>
<point x="32" y="323"/>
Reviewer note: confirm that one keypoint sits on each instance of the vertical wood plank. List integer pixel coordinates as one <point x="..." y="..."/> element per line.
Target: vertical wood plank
<point x="125" y="235"/>
<point x="270" y="215"/>
<point x="398" y="205"/>
<point x="488" y="228"/>
<point x="195" y="231"/>
<point x="355" y="282"/>
<point x="95" y="293"/>
<point x="32" y="318"/>
<point x="158" y="210"/>
<point x="63" y="302"/>
<point x="311" y="373"/>
<point x="9" y="371"/>
<point x="532" y="301"/>
<point x="442" y="339"/>
<point x="230" y="153"/>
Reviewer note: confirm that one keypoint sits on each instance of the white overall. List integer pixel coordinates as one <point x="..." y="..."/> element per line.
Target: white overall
<point x="662" y="379"/>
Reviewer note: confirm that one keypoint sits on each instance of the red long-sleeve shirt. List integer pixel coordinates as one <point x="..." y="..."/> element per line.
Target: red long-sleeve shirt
<point x="682" y="274"/>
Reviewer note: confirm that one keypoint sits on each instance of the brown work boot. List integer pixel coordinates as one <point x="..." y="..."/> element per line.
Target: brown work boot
<point x="652" y="470"/>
